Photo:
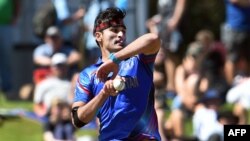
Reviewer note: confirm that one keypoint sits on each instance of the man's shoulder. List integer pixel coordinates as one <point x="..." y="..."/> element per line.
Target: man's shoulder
<point x="89" y="70"/>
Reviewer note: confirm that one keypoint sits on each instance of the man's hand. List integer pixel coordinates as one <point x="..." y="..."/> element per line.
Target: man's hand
<point x="108" y="88"/>
<point x="171" y="25"/>
<point x="106" y="69"/>
<point x="153" y="22"/>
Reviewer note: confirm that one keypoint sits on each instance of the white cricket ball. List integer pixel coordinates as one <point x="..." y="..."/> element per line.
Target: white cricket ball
<point x="118" y="84"/>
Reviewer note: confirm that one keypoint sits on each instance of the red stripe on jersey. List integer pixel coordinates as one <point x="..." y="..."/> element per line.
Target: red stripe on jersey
<point x="83" y="88"/>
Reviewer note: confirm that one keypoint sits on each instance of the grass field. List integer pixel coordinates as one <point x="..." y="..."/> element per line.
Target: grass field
<point x="18" y="128"/>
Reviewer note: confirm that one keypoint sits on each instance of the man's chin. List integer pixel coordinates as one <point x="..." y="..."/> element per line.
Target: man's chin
<point x="120" y="46"/>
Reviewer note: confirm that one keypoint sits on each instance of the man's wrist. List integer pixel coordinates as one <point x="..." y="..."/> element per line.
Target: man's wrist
<point x="114" y="59"/>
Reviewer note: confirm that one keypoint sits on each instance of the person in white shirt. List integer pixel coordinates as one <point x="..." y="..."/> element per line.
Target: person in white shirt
<point x="239" y="96"/>
<point x="55" y="85"/>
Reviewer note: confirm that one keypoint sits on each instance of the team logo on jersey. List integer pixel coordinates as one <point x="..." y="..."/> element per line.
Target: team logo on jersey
<point x="131" y="82"/>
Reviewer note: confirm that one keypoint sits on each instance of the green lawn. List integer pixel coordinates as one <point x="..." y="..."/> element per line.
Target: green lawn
<point x="20" y="129"/>
<point x="17" y="128"/>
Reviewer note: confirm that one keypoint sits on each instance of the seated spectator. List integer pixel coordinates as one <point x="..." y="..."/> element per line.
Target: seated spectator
<point x="239" y="96"/>
<point x="208" y="120"/>
<point x="205" y="37"/>
<point x="43" y="53"/>
<point x="55" y="87"/>
<point x="209" y="91"/>
<point x="206" y="78"/>
<point x="59" y="126"/>
<point x="160" y="91"/>
<point x="186" y="71"/>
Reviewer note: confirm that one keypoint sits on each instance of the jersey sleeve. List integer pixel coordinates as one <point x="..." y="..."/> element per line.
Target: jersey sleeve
<point x="83" y="91"/>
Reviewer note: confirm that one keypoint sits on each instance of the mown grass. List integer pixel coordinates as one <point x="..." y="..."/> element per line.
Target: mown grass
<point x="18" y="128"/>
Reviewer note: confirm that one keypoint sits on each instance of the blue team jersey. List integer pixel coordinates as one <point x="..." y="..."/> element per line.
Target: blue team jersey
<point x="130" y="115"/>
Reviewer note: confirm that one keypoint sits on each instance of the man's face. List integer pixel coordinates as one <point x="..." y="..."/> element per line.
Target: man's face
<point x="55" y="41"/>
<point x="59" y="70"/>
<point x="113" y="38"/>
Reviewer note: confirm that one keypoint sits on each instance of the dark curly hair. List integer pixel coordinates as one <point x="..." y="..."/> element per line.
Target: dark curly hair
<point x="107" y="17"/>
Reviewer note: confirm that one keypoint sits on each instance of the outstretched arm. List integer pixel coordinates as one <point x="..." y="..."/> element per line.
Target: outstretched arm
<point x="146" y="44"/>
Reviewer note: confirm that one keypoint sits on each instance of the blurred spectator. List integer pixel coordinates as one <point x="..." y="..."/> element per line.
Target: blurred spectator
<point x="211" y="75"/>
<point x="53" y="44"/>
<point x="185" y="79"/>
<point x="205" y="37"/>
<point x="211" y="81"/>
<point x="239" y="96"/>
<point x="93" y="8"/>
<point x="57" y="13"/>
<point x="55" y="88"/>
<point x="209" y="94"/>
<point x="165" y="23"/>
<point x="189" y="64"/>
<point x="59" y="126"/>
<point x="55" y="85"/>
<point x="201" y="75"/>
<point x="205" y="119"/>
<point x="208" y="122"/>
<point x="65" y="18"/>
<point x="235" y="35"/>
<point x="160" y="91"/>
<point x="8" y="16"/>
